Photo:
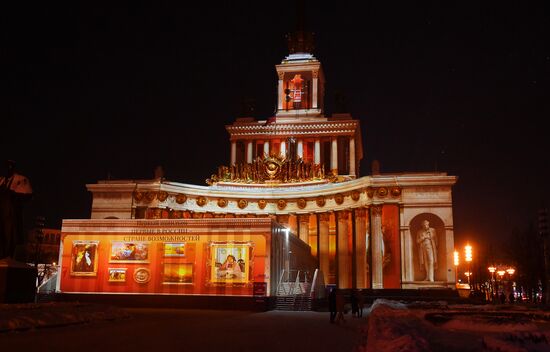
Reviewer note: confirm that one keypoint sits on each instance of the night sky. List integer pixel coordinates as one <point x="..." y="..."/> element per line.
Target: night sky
<point x="96" y="90"/>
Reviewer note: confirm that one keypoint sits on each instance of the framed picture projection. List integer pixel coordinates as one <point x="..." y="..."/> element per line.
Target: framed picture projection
<point x="117" y="275"/>
<point x="230" y="262"/>
<point x="129" y="252"/>
<point x="84" y="258"/>
<point x="173" y="249"/>
<point x="177" y="273"/>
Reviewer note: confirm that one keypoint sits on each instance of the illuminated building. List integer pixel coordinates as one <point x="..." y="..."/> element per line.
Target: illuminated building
<point x="299" y="169"/>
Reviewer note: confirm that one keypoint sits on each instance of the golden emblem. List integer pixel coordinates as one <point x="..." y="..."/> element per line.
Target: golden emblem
<point x="339" y="198"/>
<point x="138" y="195"/>
<point x="142" y="275"/>
<point x="242" y="203"/>
<point x="150" y="196"/>
<point x="321" y="201"/>
<point x="162" y="195"/>
<point x="262" y="203"/>
<point x="201" y="201"/>
<point x="355" y="195"/>
<point x="222" y="202"/>
<point x="382" y="192"/>
<point x="281" y="204"/>
<point x="302" y="203"/>
<point x="181" y="198"/>
<point x="395" y="191"/>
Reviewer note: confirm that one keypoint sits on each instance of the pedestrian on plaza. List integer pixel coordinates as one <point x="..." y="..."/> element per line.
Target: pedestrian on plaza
<point x="354" y="304"/>
<point x="360" y="304"/>
<point x="332" y="304"/>
<point x="340" y="306"/>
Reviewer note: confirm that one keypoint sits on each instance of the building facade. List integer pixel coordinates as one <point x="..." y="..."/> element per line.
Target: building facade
<point x="300" y="168"/>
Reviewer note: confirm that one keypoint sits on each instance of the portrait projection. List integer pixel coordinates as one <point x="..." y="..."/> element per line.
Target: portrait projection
<point x="230" y="262"/>
<point x="84" y="258"/>
<point x="129" y="252"/>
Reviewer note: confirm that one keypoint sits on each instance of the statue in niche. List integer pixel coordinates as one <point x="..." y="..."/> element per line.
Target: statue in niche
<point x="426" y="238"/>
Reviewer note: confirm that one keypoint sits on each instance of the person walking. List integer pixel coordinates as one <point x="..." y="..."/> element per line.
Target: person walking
<point x="360" y="304"/>
<point x="354" y="304"/>
<point x="332" y="304"/>
<point x="340" y="305"/>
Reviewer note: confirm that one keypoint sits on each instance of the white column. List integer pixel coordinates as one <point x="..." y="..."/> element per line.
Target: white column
<point x="324" y="259"/>
<point x="304" y="228"/>
<point x="300" y="149"/>
<point x="361" y="249"/>
<point x="317" y="159"/>
<point x="249" y="146"/>
<point x="334" y="157"/>
<point x="233" y="152"/>
<point x="344" y="259"/>
<point x="352" y="156"/>
<point x="377" y="243"/>
<point x="283" y="148"/>
<point x="314" y="103"/>
<point x="266" y="148"/>
<point x="281" y="94"/>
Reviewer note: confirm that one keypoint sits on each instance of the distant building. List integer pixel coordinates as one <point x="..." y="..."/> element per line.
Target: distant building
<point x="299" y="169"/>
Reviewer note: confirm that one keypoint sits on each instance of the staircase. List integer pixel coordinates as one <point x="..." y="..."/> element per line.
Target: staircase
<point x="294" y="295"/>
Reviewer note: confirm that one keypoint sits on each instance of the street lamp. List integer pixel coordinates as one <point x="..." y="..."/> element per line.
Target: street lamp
<point x="456" y="262"/>
<point x="468" y="258"/>
<point x="510" y="285"/>
<point x="492" y="270"/>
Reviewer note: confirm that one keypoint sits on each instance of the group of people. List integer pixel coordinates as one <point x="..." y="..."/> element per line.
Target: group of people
<point x="337" y="305"/>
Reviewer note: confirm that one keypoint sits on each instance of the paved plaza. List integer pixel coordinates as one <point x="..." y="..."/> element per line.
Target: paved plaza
<point x="195" y="330"/>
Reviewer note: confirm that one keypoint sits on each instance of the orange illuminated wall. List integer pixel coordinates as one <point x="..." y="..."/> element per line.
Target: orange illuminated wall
<point x="392" y="251"/>
<point x="164" y="264"/>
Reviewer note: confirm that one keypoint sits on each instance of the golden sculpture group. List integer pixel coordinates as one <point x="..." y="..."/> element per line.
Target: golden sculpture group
<point x="271" y="169"/>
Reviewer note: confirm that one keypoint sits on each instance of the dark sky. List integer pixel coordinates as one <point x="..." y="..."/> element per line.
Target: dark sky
<point x="98" y="89"/>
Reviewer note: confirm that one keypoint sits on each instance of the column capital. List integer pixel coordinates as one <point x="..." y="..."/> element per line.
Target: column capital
<point x="283" y="218"/>
<point x="343" y="215"/>
<point x="360" y="212"/>
<point x="303" y="218"/>
<point x="324" y="217"/>
<point x="376" y="210"/>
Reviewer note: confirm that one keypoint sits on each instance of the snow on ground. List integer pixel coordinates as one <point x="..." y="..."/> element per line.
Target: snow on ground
<point x="16" y="317"/>
<point x="436" y="326"/>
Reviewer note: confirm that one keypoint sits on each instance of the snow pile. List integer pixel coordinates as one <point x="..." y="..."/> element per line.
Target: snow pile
<point x="14" y="317"/>
<point x="393" y="327"/>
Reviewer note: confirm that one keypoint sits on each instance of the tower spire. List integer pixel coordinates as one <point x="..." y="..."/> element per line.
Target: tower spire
<point x="300" y="41"/>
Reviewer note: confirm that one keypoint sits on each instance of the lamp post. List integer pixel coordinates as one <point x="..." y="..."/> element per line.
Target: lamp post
<point x="468" y="258"/>
<point x="492" y="270"/>
<point x="456" y="262"/>
<point x="501" y="275"/>
<point x="510" y="272"/>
